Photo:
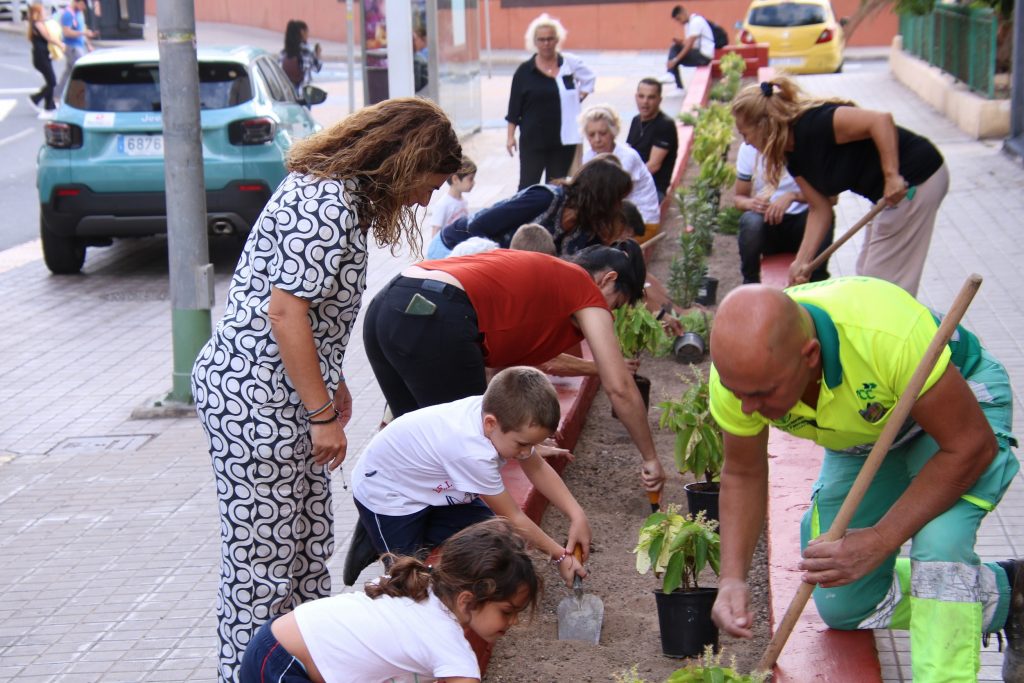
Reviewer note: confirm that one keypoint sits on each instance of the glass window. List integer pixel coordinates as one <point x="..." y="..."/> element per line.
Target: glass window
<point x="136" y="87"/>
<point x="281" y="89"/>
<point x="787" y="14"/>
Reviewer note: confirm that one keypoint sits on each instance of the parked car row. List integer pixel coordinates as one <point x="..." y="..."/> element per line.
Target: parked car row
<point x="101" y="170"/>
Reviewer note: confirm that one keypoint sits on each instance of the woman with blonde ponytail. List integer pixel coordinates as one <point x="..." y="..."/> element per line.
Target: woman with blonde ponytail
<point x="830" y="146"/>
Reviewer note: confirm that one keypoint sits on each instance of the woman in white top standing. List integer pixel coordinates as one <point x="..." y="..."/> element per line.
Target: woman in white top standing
<point x="544" y="102"/>
<point x="600" y="125"/>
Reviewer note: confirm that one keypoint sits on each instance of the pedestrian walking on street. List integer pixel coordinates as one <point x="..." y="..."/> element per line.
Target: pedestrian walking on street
<point x="269" y="386"/>
<point x="544" y="103"/>
<point x="42" y="43"/>
<point x="830" y="146"/>
<point x="77" y="39"/>
<point x="298" y="61"/>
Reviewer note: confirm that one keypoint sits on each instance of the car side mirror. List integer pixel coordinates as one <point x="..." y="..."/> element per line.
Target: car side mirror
<point x="844" y="21"/>
<point x="313" y="95"/>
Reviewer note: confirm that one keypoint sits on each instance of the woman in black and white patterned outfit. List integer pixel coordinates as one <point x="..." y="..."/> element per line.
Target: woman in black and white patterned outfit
<point x="268" y="385"/>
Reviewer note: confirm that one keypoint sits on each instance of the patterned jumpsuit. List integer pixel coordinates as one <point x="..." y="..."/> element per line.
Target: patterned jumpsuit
<point x="275" y="504"/>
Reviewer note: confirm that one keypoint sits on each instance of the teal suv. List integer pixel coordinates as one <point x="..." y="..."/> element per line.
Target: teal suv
<point x="101" y="171"/>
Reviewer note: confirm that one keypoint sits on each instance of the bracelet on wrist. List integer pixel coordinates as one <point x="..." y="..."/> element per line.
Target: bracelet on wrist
<point x="560" y="559"/>
<point x="323" y="408"/>
<point x="325" y="420"/>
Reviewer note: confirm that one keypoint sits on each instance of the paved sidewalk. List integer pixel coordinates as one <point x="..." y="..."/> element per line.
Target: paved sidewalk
<point x="108" y="525"/>
<point x="978" y="231"/>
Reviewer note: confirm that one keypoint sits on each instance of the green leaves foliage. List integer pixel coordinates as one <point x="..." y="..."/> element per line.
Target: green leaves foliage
<point x="677" y="548"/>
<point x="698" y="444"/>
<point x="638" y="330"/>
<point x="709" y="669"/>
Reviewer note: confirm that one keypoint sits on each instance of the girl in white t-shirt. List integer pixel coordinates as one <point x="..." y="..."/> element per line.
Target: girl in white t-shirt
<point x="409" y="625"/>
<point x="452" y="205"/>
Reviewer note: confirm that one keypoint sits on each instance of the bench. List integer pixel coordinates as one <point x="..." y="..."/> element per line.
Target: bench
<point x="755" y="55"/>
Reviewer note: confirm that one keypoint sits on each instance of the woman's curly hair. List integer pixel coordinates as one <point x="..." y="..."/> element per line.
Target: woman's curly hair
<point x="596" y="193"/>
<point x="388" y="148"/>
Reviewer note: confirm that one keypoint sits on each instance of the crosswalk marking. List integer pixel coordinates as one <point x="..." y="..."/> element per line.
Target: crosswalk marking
<point x="5" y="108"/>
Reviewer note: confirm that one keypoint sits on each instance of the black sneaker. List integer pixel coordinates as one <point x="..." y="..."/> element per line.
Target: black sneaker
<point x="361" y="554"/>
<point x="1013" y="656"/>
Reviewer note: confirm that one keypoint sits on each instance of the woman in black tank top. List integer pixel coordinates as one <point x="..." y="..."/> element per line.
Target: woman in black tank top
<point x="41" y="39"/>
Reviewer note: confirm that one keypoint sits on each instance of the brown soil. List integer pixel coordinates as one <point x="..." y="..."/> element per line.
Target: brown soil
<point x="604" y="479"/>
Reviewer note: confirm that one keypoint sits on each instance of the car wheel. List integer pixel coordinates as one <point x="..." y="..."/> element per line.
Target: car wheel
<point x="63" y="255"/>
<point x="839" y="69"/>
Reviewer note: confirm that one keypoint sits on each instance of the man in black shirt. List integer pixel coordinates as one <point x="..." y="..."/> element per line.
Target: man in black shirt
<point x="653" y="135"/>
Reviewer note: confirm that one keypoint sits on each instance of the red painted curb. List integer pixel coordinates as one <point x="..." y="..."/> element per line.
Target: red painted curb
<point x="814" y="652"/>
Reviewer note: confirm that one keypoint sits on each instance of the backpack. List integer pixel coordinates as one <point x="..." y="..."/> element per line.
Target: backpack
<point x="719" y="34"/>
<point x="292" y="66"/>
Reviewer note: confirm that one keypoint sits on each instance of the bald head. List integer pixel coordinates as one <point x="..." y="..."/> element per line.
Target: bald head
<point x="756" y="325"/>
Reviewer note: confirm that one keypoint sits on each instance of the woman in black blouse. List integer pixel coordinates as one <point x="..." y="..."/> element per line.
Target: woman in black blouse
<point x="544" y="103"/>
<point x="830" y="146"/>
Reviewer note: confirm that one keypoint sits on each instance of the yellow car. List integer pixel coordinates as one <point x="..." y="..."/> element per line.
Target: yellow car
<point x="803" y="35"/>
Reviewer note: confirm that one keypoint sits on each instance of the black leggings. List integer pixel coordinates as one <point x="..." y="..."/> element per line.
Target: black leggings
<point x="554" y="162"/>
<point x="423" y="360"/>
<point x="44" y="66"/>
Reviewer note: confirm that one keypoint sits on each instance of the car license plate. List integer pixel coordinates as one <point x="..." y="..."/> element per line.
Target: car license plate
<point x="785" y="61"/>
<point x="140" y="145"/>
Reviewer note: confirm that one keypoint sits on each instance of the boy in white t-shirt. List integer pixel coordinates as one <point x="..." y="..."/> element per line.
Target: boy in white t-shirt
<point x="437" y="470"/>
<point x="696" y="49"/>
<point x="452" y="205"/>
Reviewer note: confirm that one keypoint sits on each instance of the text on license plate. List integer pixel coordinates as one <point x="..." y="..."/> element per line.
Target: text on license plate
<point x="140" y="145"/>
<point x="785" y="61"/>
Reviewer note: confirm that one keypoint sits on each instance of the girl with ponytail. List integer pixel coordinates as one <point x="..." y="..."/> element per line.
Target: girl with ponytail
<point x="409" y="623"/>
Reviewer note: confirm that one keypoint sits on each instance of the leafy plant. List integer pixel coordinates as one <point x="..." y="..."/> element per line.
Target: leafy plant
<point x="638" y="330"/>
<point x="729" y="220"/>
<point x="696" y="322"/>
<point x="709" y="669"/>
<point x="687" y="268"/>
<point x="698" y="446"/>
<point x="677" y="548"/>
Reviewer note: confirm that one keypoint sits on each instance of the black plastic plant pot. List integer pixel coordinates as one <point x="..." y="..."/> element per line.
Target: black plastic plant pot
<point x="685" y="621"/>
<point x="689" y="348"/>
<point x="703" y="495"/>
<point x="707" y="295"/>
<point x="644" y="385"/>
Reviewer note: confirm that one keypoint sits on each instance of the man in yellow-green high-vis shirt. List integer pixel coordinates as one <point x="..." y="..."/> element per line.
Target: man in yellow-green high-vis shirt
<point x="827" y="361"/>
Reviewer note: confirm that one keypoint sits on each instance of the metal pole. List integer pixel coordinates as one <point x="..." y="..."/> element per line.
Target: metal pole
<point x="487" y="33"/>
<point x="191" y="281"/>
<point x="350" y="40"/>
<point x="400" y="76"/>
<point x="1015" y="143"/>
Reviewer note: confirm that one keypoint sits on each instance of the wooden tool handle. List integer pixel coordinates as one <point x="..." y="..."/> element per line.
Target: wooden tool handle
<point x="831" y="249"/>
<point x="655" y="499"/>
<point x="874" y="460"/>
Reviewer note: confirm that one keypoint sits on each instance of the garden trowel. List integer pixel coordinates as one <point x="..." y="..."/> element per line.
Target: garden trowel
<point x="580" y="616"/>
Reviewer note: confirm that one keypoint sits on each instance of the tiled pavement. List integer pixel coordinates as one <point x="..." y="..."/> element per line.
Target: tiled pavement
<point x="977" y="232"/>
<point x="108" y="533"/>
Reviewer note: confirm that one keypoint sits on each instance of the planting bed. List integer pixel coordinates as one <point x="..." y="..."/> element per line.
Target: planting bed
<point x="605" y="480"/>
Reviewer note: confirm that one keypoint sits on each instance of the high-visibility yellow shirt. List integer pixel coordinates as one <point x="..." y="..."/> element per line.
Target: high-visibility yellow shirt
<point x="873" y="335"/>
